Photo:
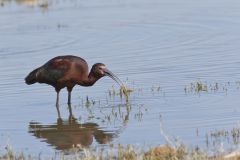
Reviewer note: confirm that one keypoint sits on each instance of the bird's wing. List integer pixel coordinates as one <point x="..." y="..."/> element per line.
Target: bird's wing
<point x="59" y="63"/>
<point x="53" y="70"/>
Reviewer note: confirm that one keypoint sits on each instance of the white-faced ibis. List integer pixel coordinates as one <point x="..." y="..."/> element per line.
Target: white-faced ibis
<point x="67" y="71"/>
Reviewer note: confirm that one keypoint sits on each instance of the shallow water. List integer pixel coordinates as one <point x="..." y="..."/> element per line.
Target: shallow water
<point x="148" y="44"/>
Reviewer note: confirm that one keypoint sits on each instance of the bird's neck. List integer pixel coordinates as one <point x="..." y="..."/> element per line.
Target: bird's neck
<point x="89" y="80"/>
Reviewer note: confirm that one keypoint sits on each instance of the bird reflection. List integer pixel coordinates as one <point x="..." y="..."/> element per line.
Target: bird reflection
<point x="66" y="134"/>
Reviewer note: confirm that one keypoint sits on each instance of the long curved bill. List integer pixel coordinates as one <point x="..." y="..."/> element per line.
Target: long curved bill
<point x="115" y="78"/>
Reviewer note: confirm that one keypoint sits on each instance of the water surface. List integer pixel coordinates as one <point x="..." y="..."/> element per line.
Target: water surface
<point x="148" y="44"/>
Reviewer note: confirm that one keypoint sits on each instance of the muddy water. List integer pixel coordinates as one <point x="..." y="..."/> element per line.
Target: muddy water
<point x="158" y="48"/>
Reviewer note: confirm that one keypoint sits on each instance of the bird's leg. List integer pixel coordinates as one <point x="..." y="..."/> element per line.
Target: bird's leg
<point x="69" y="98"/>
<point x="57" y="100"/>
<point x="70" y="110"/>
<point x="69" y="95"/>
<point x="57" y="104"/>
<point x="69" y="89"/>
<point x="71" y="117"/>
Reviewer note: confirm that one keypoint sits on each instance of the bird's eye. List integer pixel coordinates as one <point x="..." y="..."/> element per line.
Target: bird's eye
<point x="101" y="68"/>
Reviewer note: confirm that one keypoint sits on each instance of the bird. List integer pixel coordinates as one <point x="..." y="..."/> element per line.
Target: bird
<point x="68" y="71"/>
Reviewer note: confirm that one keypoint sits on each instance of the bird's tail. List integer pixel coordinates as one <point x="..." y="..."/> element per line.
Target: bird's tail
<point x="32" y="77"/>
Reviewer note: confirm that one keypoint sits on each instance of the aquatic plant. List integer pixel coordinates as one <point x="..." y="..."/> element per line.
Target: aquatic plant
<point x="122" y="91"/>
<point x="218" y="137"/>
<point x="200" y="87"/>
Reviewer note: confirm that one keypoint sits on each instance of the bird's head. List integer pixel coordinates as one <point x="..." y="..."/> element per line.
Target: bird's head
<point x="99" y="70"/>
